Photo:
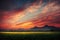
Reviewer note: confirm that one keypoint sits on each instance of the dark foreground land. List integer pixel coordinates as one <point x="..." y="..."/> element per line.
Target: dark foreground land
<point x="29" y="35"/>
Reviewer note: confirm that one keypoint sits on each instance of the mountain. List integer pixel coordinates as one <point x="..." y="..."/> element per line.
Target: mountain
<point x="52" y="28"/>
<point x="34" y="29"/>
<point x="45" y="28"/>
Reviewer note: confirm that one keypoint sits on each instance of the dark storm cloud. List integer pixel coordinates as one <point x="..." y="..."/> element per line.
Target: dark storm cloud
<point x="17" y="4"/>
<point x="14" y="4"/>
<point x="57" y="1"/>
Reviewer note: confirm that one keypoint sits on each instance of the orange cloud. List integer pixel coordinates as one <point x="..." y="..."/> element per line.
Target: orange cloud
<point x="26" y="25"/>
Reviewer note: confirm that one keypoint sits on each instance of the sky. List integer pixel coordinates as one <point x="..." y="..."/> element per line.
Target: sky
<point x="26" y="14"/>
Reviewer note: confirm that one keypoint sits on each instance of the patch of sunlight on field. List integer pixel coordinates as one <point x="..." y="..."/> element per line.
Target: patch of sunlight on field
<point x="28" y="32"/>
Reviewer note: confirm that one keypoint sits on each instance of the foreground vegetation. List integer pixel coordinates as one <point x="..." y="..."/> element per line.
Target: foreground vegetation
<point x="29" y="35"/>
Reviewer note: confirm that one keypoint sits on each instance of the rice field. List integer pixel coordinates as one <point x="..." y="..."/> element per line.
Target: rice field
<point x="28" y="32"/>
<point x="29" y="35"/>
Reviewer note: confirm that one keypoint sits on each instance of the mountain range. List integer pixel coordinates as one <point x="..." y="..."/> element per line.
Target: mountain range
<point x="36" y="28"/>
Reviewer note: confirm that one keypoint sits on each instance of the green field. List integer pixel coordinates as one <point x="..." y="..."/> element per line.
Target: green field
<point x="29" y="35"/>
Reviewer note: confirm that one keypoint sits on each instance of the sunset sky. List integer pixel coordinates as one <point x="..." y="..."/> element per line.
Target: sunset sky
<point x="16" y="14"/>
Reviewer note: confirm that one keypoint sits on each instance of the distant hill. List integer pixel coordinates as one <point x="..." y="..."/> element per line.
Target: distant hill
<point x="45" y="28"/>
<point x="34" y="29"/>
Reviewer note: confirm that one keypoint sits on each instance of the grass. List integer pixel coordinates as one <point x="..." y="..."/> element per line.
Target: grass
<point x="29" y="35"/>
